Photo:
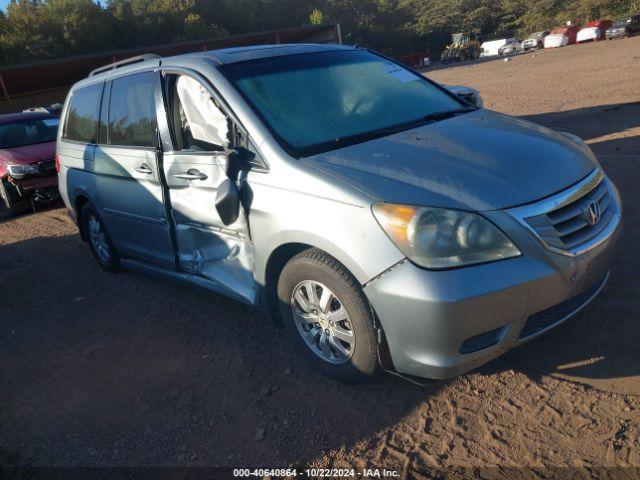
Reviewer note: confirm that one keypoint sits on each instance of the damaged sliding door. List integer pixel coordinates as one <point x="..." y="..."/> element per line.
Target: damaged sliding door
<point x="194" y="169"/>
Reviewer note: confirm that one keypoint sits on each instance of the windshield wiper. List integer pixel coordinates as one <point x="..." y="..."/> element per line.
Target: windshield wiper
<point x="382" y="132"/>
<point x="436" y="116"/>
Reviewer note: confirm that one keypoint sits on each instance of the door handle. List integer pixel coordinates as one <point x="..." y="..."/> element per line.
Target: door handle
<point x="144" y="168"/>
<point x="191" y="174"/>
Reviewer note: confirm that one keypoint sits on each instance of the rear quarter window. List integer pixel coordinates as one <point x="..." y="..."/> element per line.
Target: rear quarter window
<point x="132" y="112"/>
<point x="82" y="117"/>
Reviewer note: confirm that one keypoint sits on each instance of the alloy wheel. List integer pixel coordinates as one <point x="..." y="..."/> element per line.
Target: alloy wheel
<point x="98" y="238"/>
<point x="323" y="322"/>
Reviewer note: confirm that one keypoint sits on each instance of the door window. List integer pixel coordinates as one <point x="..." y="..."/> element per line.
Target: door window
<point x="197" y="121"/>
<point x="82" y="117"/>
<point x="132" y="111"/>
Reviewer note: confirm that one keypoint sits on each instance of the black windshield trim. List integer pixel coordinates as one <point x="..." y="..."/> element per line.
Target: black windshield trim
<point x="324" y="147"/>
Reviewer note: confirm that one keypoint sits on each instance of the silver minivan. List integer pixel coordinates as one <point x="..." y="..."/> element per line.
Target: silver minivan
<point x="384" y="221"/>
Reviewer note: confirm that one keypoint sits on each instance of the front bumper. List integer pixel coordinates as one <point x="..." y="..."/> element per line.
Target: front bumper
<point x="32" y="183"/>
<point x="434" y="321"/>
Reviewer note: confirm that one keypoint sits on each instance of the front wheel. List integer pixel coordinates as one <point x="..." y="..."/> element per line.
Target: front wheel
<point x="327" y="315"/>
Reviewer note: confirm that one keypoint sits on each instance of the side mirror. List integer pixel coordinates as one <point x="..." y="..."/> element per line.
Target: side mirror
<point x="228" y="202"/>
<point x="246" y="159"/>
<point x="468" y="94"/>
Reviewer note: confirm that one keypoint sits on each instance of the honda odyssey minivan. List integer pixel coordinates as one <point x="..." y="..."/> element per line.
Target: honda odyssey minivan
<point x="383" y="220"/>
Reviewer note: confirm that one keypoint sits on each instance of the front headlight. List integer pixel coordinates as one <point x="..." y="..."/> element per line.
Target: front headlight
<point x="439" y="238"/>
<point x="24" y="169"/>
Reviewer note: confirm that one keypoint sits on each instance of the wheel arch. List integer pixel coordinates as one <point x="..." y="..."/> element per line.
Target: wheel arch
<point x="78" y="201"/>
<point x="274" y="266"/>
<point x="282" y="248"/>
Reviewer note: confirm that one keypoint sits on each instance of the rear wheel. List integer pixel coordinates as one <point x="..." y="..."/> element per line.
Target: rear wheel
<point x="463" y="56"/>
<point x="12" y="199"/>
<point x="328" y="316"/>
<point x="99" y="242"/>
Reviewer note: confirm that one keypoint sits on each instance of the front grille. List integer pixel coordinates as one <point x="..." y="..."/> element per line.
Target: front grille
<point x="48" y="168"/>
<point x="568" y="227"/>
<point x="546" y="318"/>
<point x="572" y="221"/>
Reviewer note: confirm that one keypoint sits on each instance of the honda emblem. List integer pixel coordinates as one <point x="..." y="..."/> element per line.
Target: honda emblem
<point x="593" y="213"/>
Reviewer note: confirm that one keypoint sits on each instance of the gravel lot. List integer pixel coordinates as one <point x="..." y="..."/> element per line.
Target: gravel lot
<point x="102" y="369"/>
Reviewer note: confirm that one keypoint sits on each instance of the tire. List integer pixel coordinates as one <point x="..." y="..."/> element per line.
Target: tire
<point x="12" y="200"/>
<point x="95" y="232"/>
<point x="347" y="316"/>
<point x="462" y="57"/>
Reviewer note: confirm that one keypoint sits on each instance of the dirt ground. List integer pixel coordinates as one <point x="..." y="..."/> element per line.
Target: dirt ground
<point x="102" y="369"/>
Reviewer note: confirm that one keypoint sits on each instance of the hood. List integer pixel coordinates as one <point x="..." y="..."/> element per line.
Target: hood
<point x="478" y="161"/>
<point x="29" y="153"/>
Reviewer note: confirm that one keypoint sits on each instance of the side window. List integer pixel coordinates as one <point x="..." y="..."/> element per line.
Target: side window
<point x="82" y="117"/>
<point x="198" y="123"/>
<point x="132" y="111"/>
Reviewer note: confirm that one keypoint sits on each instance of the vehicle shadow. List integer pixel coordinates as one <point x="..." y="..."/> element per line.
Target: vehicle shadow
<point x="593" y="122"/>
<point x="129" y="369"/>
<point x="37" y="208"/>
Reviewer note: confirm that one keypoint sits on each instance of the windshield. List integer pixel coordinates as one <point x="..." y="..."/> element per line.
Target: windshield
<point x="321" y="101"/>
<point x="460" y="38"/>
<point x="28" y="132"/>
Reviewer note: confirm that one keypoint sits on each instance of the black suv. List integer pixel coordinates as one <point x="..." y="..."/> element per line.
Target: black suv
<point x="625" y="27"/>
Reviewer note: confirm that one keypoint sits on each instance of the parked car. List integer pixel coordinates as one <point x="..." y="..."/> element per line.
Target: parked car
<point x="626" y="27"/>
<point x="593" y="31"/>
<point x="27" y="165"/>
<point x="379" y="218"/>
<point x="535" y="40"/>
<point x="54" y="109"/>
<point x="510" y="48"/>
<point x="491" y="48"/>
<point x="561" y="37"/>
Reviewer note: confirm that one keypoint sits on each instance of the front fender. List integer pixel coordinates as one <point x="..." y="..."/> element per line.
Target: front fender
<point x="345" y="231"/>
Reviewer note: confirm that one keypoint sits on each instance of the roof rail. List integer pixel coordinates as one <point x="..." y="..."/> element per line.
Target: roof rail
<point x="123" y="63"/>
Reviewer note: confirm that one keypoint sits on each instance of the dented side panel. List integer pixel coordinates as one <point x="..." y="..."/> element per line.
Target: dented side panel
<point x="205" y="246"/>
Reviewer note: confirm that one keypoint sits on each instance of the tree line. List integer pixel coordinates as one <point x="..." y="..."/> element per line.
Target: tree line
<point x="33" y="30"/>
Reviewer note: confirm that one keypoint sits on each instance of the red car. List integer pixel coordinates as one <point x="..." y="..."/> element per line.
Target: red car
<point x="27" y="158"/>
<point x="593" y="31"/>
